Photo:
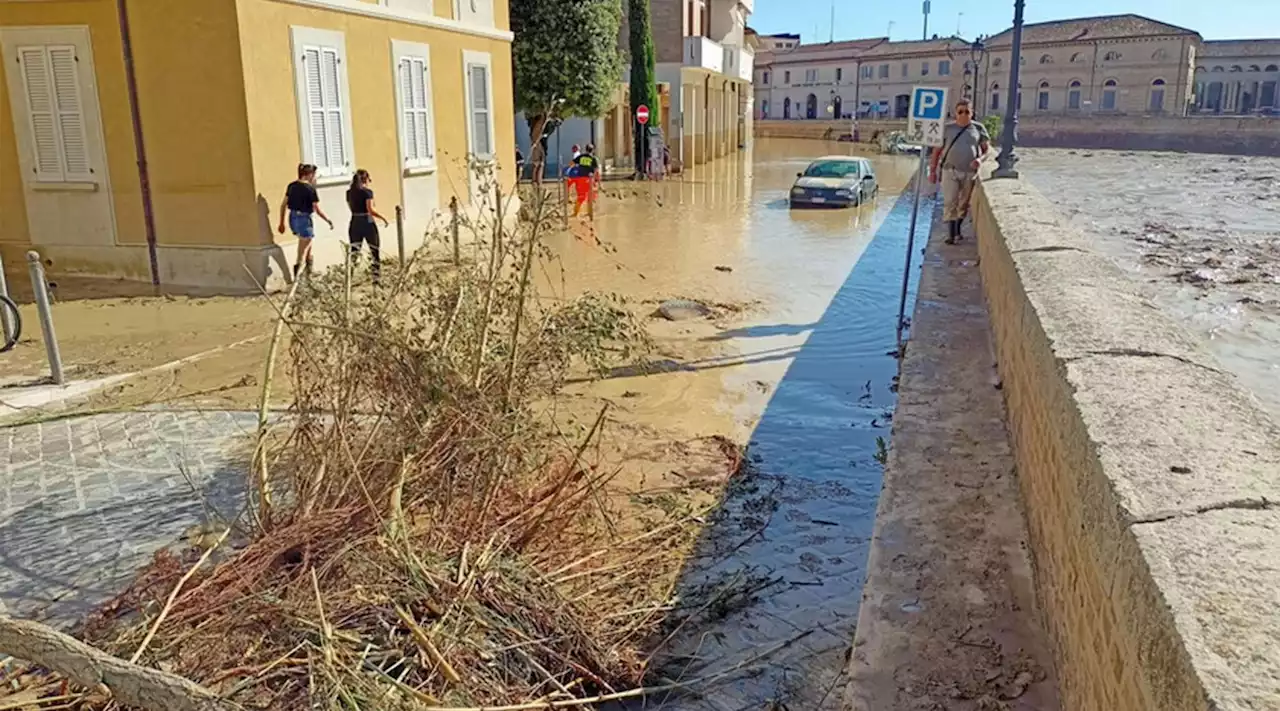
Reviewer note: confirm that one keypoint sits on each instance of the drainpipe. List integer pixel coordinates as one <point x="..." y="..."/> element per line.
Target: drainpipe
<point x="857" y="94"/>
<point x="144" y="179"/>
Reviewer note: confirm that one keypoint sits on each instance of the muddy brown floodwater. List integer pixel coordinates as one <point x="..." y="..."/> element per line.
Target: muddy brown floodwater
<point x="1201" y="233"/>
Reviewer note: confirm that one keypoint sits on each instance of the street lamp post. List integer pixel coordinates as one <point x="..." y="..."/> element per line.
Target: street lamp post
<point x="976" y="51"/>
<point x="1007" y="162"/>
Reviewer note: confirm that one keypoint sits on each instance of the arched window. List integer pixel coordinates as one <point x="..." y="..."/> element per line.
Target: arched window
<point x="1156" y="104"/>
<point x="1076" y="58"/>
<point x="1073" y="95"/>
<point x="1046" y="59"/>
<point x="1199" y="70"/>
<point x="1273" y="68"/>
<point x="995" y="97"/>
<point x="1042" y="97"/>
<point x="1254" y="68"/>
<point x="1219" y="69"/>
<point x="1110" y="91"/>
<point x="1159" y="55"/>
<point x="1235" y="68"/>
<point x="1111" y="57"/>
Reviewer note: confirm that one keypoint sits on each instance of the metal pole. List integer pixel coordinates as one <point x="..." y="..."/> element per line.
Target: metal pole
<point x="6" y="326"/>
<point x="1007" y="161"/>
<point x="400" y="232"/>
<point x="453" y="226"/>
<point x="911" y="244"/>
<point x="41" y="289"/>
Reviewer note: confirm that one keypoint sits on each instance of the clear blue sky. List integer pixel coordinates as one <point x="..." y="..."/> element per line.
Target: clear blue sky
<point x="1214" y="19"/>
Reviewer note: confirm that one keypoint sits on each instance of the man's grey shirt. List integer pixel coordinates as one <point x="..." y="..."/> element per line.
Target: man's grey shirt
<point x="961" y="146"/>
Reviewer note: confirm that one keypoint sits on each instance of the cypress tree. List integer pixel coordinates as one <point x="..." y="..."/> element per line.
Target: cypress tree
<point x="644" y="86"/>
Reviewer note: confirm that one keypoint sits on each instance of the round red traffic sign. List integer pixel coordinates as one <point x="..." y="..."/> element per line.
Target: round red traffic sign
<point x="642" y="114"/>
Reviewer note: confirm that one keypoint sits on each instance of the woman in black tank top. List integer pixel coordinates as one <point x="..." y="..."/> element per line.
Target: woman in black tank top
<point x="363" y="228"/>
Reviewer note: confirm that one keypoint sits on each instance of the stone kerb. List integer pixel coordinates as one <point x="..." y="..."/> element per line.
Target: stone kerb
<point x="1150" y="478"/>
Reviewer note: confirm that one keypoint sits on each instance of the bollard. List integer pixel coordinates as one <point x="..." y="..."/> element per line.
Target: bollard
<point x="564" y="199"/>
<point x="453" y="226"/>
<point x="6" y="328"/>
<point x="400" y="232"/>
<point x="41" y="289"/>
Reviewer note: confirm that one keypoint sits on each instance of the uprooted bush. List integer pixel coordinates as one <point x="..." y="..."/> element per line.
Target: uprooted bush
<point x="423" y="533"/>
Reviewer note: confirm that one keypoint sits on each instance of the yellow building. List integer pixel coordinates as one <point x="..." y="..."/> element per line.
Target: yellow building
<point x="154" y="138"/>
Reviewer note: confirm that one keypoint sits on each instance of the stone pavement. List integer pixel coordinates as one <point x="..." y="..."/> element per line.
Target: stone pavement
<point x="86" y="501"/>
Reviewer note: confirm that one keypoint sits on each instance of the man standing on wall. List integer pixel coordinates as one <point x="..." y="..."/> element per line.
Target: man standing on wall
<point x="955" y="163"/>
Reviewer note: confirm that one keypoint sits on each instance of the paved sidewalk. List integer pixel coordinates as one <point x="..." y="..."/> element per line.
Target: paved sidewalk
<point x="85" y="502"/>
<point x="948" y="618"/>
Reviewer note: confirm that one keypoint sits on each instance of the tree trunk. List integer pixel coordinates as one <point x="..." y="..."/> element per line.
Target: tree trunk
<point x="130" y="684"/>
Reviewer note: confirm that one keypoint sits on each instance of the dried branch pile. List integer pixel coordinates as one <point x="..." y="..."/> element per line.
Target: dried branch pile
<point x="423" y="534"/>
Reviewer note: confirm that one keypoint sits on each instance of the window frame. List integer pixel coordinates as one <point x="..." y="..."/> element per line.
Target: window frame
<point x="301" y="39"/>
<point x="484" y="17"/>
<point x="471" y="58"/>
<point x="944" y="67"/>
<point x="400" y="51"/>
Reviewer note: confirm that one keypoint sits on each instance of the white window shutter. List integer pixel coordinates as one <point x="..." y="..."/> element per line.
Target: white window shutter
<point x="42" y="109"/>
<point x="315" y="107"/>
<point x="479" y="77"/>
<point x="330" y="80"/>
<point x="418" y="75"/>
<point x="66" y="83"/>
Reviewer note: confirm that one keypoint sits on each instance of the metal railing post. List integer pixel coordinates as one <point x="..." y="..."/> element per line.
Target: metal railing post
<point x="400" y="232"/>
<point x="40" y="286"/>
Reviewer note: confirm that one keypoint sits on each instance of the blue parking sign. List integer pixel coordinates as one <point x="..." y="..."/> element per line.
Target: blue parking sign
<point x="928" y="103"/>
<point x="928" y="115"/>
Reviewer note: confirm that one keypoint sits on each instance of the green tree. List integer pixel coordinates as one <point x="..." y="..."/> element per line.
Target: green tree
<point x="644" y="86"/>
<point x="566" y="61"/>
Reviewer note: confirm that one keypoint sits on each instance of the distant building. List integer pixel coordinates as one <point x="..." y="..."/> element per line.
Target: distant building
<point x="779" y="43"/>
<point x="705" y="54"/>
<point x="1238" y="77"/>
<point x="1118" y="64"/>
<point x="868" y="77"/>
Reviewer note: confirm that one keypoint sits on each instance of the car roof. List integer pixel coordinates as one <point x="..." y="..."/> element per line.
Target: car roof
<point x="838" y="158"/>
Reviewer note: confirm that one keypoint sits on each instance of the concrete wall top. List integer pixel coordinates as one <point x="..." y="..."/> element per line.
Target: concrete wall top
<point x="1183" y="531"/>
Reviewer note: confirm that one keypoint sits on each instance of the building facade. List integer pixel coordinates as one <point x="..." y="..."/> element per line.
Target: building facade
<point x="867" y="78"/>
<point x="1120" y="64"/>
<point x="704" y="55"/>
<point x="1238" y="77"/>
<point x="131" y="150"/>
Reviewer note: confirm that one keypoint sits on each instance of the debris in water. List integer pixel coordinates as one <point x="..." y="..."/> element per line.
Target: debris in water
<point x="1180" y="470"/>
<point x="683" y="310"/>
<point x="723" y="268"/>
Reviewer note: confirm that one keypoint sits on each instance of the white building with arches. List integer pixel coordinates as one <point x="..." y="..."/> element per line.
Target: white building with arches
<point x="1238" y="77"/>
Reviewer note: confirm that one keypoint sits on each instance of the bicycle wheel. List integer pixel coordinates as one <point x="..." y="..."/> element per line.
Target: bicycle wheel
<point x="14" y="321"/>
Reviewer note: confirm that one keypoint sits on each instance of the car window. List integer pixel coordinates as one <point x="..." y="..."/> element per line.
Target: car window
<point x="832" y="169"/>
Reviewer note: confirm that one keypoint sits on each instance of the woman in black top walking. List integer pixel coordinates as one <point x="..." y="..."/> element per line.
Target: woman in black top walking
<point x="363" y="228"/>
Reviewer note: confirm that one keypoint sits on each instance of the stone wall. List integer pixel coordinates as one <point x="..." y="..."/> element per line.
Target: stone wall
<point x="823" y="129"/>
<point x="1256" y="136"/>
<point x="1150" y="479"/>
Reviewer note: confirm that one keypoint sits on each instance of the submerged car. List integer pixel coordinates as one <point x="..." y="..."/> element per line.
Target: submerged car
<point x="835" y="181"/>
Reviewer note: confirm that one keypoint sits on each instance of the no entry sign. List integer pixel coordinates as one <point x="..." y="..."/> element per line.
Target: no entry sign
<point x="642" y="114"/>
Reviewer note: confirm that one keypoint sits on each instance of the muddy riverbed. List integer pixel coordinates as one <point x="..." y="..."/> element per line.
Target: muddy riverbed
<point x="1201" y="234"/>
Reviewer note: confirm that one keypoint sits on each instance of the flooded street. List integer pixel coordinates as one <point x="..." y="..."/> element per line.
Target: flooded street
<point x="1200" y="232"/>
<point x="796" y="361"/>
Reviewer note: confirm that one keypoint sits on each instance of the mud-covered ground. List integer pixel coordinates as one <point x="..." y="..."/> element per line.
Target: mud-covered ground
<point x="1201" y="232"/>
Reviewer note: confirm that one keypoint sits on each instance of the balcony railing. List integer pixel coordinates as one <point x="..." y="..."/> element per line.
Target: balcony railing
<point x="703" y="53"/>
